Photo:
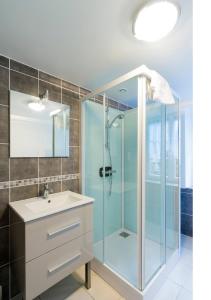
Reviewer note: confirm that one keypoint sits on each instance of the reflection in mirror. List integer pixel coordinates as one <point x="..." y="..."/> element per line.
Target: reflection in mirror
<point x="38" y="127"/>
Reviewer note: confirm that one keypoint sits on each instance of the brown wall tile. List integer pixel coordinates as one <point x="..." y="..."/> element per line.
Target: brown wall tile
<point x="4" y="207"/>
<point x="49" y="167"/>
<point x="53" y="187"/>
<point x="23" y="168"/>
<point x="17" y="66"/>
<point x="74" y="138"/>
<point x="4" y="245"/>
<point x="14" y="217"/>
<point x="4" y="162"/>
<point x="24" y="79"/>
<point x="112" y="103"/>
<point x="4" y="61"/>
<point x="23" y="192"/>
<point x="4" y="86"/>
<point x="54" y="91"/>
<point x="49" y="78"/>
<point x="17" y="241"/>
<point x="99" y="99"/>
<point x="70" y="86"/>
<point x="4" y="124"/>
<point x="71" y="185"/>
<point x="17" y="279"/>
<point x="23" y="83"/>
<point x="84" y="92"/>
<point x="72" y="100"/>
<point x="4" y="281"/>
<point x="70" y="165"/>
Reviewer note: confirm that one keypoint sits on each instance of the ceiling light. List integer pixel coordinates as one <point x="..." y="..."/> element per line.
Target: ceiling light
<point x="155" y="20"/>
<point x="36" y="105"/>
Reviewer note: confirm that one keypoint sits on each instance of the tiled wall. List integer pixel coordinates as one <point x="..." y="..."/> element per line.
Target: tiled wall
<point x="24" y="177"/>
<point x="187" y="211"/>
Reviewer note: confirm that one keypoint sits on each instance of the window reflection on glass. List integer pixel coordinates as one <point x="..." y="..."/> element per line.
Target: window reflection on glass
<point x="157" y="115"/>
<point x="154" y="133"/>
<point x="171" y="150"/>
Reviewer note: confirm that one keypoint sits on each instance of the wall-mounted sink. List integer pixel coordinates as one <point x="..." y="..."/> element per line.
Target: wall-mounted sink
<point x="52" y="203"/>
<point x="55" y="238"/>
<point x="34" y="208"/>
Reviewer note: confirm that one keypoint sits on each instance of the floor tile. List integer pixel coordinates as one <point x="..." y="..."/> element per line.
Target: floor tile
<point x="186" y="257"/>
<point x="101" y="290"/>
<point x="188" y="284"/>
<point x="186" y="242"/>
<point x="180" y="274"/>
<point x="169" y="291"/>
<point x="185" y="295"/>
<point x="80" y="274"/>
<point x="80" y="294"/>
<point x="63" y="289"/>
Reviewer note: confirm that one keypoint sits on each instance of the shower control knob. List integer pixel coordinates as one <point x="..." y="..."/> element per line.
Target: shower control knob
<point x="108" y="171"/>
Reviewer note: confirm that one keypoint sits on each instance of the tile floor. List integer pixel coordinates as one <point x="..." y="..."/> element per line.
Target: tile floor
<point x="178" y="286"/>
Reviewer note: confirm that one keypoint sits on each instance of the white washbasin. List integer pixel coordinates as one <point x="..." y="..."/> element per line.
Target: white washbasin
<point x="52" y="203"/>
<point x="34" y="208"/>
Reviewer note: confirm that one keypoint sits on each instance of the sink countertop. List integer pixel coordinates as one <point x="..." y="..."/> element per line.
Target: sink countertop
<point x="38" y="207"/>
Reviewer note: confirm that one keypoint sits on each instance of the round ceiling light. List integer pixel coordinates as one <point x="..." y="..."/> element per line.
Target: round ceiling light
<point x="155" y="20"/>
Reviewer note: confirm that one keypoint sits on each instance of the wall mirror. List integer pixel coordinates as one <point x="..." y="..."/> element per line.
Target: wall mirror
<point x="38" y="127"/>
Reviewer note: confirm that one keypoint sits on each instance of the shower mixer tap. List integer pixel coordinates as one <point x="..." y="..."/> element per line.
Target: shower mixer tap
<point x="108" y="171"/>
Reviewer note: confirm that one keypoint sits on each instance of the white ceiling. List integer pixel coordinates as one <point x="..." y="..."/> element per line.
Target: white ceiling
<point x="90" y="42"/>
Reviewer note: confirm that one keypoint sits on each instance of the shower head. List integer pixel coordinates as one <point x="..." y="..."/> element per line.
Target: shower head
<point x="120" y="116"/>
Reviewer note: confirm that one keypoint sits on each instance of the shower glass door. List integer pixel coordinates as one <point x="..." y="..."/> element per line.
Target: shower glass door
<point x="160" y="184"/>
<point x="154" y="187"/>
<point x="120" y="180"/>
<point x="93" y="143"/>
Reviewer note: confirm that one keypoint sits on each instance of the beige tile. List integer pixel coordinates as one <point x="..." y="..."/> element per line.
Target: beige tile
<point x="80" y="294"/>
<point x="79" y="275"/>
<point x="63" y="289"/>
<point x="100" y="290"/>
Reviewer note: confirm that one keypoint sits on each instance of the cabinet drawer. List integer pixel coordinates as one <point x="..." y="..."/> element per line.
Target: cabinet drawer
<point x="46" y="270"/>
<point x="53" y="231"/>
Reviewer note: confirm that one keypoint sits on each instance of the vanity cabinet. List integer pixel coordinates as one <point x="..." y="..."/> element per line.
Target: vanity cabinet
<point x="54" y="246"/>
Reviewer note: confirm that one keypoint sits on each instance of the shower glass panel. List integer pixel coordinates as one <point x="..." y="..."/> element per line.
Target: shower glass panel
<point x="120" y="192"/>
<point x="172" y="178"/>
<point x="154" y="235"/>
<point x="161" y="213"/>
<point x="93" y="141"/>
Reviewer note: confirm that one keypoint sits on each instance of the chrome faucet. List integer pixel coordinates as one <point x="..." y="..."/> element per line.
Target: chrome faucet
<point x="46" y="192"/>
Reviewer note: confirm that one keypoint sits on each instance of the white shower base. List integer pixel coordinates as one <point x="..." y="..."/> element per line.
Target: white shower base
<point x="120" y="258"/>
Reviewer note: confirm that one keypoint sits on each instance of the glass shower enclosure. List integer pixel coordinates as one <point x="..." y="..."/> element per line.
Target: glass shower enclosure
<point x="130" y="166"/>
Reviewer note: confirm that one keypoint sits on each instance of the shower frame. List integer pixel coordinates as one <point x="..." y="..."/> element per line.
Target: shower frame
<point x="125" y="288"/>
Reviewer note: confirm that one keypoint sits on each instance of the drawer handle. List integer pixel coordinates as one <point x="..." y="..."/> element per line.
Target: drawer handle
<point x="60" y="230"/>
<point x="53" y="269"/>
